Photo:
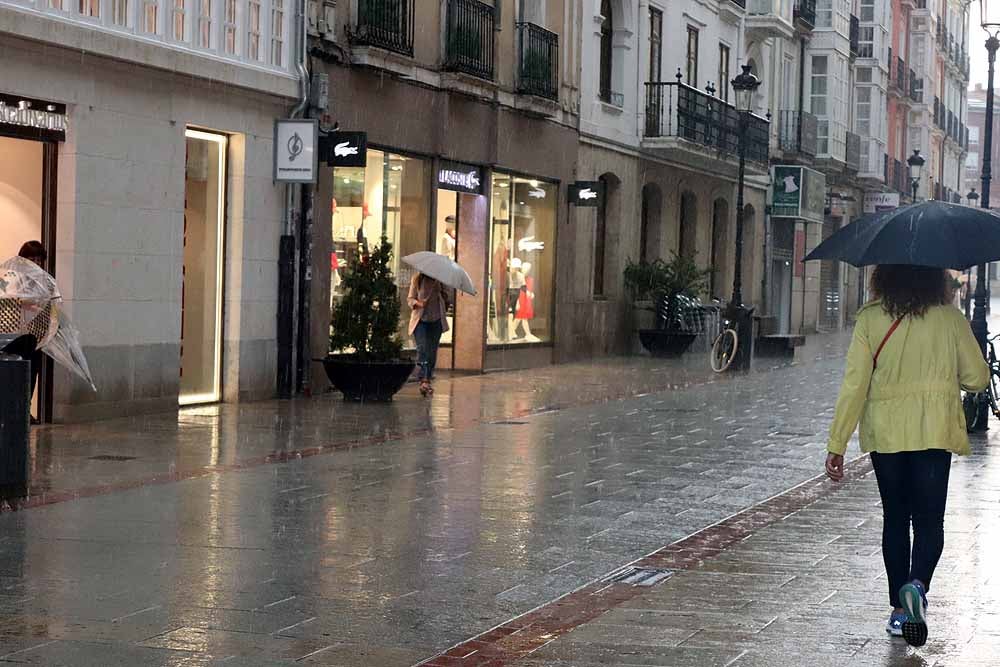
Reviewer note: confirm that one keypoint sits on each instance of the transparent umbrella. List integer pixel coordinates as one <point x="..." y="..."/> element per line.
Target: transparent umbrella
<point x="30" y="303"/>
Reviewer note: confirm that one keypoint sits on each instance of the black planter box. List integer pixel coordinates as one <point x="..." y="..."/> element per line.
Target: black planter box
<point x="666" y="344"/>
<point x="367" y="380"/>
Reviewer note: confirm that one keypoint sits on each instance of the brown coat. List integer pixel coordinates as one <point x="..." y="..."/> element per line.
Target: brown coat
<point x="423" y="291"/>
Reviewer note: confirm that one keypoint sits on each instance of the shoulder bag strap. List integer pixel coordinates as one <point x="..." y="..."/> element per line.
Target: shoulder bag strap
<point x="885" y="340"/>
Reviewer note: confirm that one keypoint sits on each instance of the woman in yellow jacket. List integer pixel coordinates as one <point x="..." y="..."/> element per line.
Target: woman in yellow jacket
<point x="911" y="354"/>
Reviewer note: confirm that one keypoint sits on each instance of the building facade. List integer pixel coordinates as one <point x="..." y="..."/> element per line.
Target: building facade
<point x="135" y="143"/>
<point x="469" y="110"/>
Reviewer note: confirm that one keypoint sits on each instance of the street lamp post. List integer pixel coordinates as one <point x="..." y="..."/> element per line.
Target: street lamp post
<point x="990" y="21"/>
<point x="916" y="162"/>
<point x="741" y="318"/>
<point x="973" y="198"/>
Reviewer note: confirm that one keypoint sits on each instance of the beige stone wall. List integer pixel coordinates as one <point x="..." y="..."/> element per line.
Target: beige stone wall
<point x="120" y="223"/>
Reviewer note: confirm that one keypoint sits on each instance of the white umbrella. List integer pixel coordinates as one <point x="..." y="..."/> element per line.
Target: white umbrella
<point x="442" y="269"/>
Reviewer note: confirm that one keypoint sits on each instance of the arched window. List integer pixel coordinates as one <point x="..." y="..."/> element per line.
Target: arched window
<point x="687" y="241"/>
<point x="607" y="49"/>
<point x="649" y="229"/>
<point x="720" y="246"/>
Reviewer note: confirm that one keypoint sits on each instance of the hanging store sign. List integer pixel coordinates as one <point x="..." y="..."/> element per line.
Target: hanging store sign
<point x="797" y="192"/>
<point x="586" y="193"/>
<point x="296" y="151"/>
<point x="48" y="119"/>
<point x="880" y="201"/>
<point x="459" y="177"/>
<point x="345" y="149"/>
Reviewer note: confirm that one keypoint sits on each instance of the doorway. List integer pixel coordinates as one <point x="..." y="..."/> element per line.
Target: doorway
<point x="782" y="255"/>
<point x="201" y="276"/>
<point x="27" y="212"/>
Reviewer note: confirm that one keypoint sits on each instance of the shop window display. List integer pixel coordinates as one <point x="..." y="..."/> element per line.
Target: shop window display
<point x="522" y="260"/>
<point x="390" y="197"/>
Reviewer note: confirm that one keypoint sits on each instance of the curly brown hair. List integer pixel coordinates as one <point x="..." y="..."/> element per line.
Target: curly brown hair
<point x="908" y="291"/>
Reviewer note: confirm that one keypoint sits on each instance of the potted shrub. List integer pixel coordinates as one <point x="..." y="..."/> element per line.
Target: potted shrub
<point x="365" y="361"/>
<point x="673" y="289"/>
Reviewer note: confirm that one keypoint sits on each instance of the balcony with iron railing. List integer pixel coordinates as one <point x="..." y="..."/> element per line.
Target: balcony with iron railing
<point x="386" y="24"/>
<point x="916" y="89"/>
<point x="852" y="154"/>
<point x="676" y="111"/>
<point x="470" y="38"/>
<point x="797" y="133"/>
<point x="902" y="78"/>
<point x="538" y="62"/>
<point x="855" y="36"/>
<point x="804" y="12"/>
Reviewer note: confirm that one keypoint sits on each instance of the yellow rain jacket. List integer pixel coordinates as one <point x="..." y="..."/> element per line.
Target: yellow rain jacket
<point x="912" y="400"/>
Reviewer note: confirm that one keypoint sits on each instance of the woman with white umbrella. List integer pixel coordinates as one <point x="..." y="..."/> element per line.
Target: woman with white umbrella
<point x="428" y="300"/>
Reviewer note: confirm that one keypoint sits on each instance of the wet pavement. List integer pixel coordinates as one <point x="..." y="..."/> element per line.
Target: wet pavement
<point x="316" y="532"/>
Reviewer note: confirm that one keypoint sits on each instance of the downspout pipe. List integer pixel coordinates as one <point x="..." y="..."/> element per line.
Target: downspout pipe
<point x="286" y="245"/>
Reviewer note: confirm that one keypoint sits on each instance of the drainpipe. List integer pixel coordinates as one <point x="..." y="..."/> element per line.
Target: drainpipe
<point x="286" y="245"/>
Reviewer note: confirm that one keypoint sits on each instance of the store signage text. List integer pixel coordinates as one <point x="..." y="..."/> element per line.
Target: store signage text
<point x="345" y="149"/>
<point x="33" y="114"/>
<point x="586" y="193"/>
<point x="460" y="178"/>
<point x="798" y="192"/>
<point x="880" y="201"/>
<point x="296" y="151"/>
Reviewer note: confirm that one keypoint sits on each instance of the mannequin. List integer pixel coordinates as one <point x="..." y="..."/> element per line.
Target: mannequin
<point x="526" y="306"/>
<point x="448" y="239"/>
<point x="499" y="279"/>
<point x="514" y="285"/>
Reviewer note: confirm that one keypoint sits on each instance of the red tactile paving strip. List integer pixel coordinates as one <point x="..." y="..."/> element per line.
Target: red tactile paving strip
<point x="518" y="638"/>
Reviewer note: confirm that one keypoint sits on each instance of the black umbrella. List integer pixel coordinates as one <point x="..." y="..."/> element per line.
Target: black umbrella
<point x="929" y="233"/>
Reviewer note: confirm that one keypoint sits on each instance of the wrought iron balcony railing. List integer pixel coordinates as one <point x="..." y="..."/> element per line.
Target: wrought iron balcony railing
<point x="538" y="66"/>
<point x="470" y="40"/>
<point x="852" y="153"/>
<point x="916" y="88"/>
<point x="674" y="109"/>
<point x="805" y="11"/>
<point x="797" y="132"/>
<point x="386" y="24"/>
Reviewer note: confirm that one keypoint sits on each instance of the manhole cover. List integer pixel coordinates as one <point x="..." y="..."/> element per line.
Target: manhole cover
<point x="111" y="457"/>
<point x="638" y="576"/>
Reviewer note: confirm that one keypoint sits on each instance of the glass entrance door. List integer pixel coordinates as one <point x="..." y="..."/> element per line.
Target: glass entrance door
<point x="201" y="291"/>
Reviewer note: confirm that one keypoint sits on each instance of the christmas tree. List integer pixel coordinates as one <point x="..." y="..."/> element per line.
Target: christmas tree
<point x="366" y="320"/>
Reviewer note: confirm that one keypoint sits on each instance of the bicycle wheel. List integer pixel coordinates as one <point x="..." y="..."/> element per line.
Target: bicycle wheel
<point x="724" y="350"/>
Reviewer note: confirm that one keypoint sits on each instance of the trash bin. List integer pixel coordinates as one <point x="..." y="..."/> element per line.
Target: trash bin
<point x="15" y="403"/>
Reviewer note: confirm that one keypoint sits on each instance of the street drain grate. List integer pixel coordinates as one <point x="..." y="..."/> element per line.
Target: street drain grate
<point x="509" y="423"/>
<point x="111" y="457"/>
<point x="638" y="576"/>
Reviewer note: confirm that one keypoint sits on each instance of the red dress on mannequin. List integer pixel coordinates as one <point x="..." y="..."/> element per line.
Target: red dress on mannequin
<point x="526" y="303"/>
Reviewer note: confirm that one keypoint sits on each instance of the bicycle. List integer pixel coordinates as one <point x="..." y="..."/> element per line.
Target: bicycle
<point x="972" y="401"/>
<point x="725" y="347"/>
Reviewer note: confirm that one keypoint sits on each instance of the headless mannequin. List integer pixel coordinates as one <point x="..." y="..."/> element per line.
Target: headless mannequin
<point x="514" y="293"/>
<point x="523" y="319"/>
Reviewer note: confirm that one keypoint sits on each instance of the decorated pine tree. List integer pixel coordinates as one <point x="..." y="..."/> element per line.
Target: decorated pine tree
<point x="366" y="320"/>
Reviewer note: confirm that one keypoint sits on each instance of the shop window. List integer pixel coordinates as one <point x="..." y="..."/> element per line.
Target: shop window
<point x="389" y="197"/>
<point x="522" y="260"/>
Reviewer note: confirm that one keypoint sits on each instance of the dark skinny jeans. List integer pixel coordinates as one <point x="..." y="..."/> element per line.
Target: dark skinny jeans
<point x="428" y="338"/>
<point x="914" y="490"/>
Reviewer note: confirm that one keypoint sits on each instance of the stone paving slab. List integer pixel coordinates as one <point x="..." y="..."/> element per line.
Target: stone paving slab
<point x="806" y="590"/>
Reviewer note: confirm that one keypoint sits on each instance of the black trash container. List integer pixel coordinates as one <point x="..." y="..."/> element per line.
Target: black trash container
<point x="15" y="415"/>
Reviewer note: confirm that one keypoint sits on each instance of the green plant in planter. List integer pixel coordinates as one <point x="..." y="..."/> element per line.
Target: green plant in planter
<point x="366" y="320"/>
<point x="666" y="283"/>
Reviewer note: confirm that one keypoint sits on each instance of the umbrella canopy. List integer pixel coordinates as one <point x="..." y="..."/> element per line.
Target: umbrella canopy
<point x="30" y="303"/>
<point x="442" y="269"/>
<point x="929" y="233"/>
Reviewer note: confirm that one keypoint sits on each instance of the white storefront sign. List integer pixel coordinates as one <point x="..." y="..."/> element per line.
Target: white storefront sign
<point x="880" y="201"/>
<point x="296" y="151"/>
